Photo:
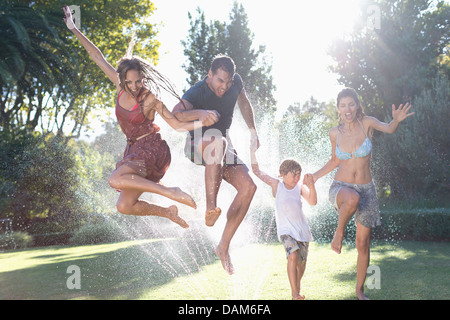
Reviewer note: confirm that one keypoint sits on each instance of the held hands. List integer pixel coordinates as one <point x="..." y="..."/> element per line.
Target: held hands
<point x="254" y="141"/>
<point x="308" y="180"/>
<point x="209" y="117"/>
<point x="401" y="113"/>
<point x="68" y="19"/>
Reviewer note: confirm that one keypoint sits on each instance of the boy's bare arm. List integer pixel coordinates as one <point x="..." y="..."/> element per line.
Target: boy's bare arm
<point x="309" y="192"/>
<point x="271" y="181"/>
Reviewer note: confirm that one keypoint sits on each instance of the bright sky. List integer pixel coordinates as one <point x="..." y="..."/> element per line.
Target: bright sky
<point x="296" y="35"/>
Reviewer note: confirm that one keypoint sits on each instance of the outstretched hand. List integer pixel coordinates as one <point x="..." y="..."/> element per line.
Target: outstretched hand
<point x="68" y="19"/>
<point x="401" y="113"/>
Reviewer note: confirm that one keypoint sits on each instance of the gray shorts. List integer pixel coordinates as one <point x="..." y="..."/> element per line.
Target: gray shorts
<point x="368" y="212"/>
<point x="291" y="245"/>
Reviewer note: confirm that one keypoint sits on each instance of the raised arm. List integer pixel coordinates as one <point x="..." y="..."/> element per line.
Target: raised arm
<point x="248" y="115"/>
<point x="272" y="182"/>
<point x="398" y="115"/>
<point x="92" y="50"/>
<point x="333" y="163"/>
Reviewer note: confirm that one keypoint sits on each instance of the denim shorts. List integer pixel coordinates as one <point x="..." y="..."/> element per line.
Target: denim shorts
<point x="368" y="212"/>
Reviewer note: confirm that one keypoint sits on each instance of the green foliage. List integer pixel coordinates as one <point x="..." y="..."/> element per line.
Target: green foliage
<point x="394" y="62"/>
<point x="108" y="231"/>
<point x="262" y="220"/>
<point x="53" y="183"/>
<point x="405" y="59"/>
<point x="406" y="224"/>
<point x="235" y="39"/>
<point x="51" y="239"/>
<point x="418" y="153"/>
<point x="417" y="225"/>
<point x="35" y="175"/>
<point x="46" y="78"/>
<point x="15" y="240"/>
<point x="304" y="136"/>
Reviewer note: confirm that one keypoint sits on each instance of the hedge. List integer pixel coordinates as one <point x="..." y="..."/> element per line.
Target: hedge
<point x="15" y="240"/>
<point x="419" y="225"/>
<point x="414" y="225"/>
<point x="99" y="233"/>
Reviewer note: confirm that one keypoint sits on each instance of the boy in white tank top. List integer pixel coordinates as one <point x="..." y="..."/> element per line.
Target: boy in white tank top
<point x="292" y="227"/>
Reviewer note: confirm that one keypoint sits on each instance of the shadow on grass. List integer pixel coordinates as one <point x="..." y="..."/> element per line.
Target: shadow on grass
<point x="408" y="271"/>
<point x="108" y="271"/>
<point x="135" y="269"/>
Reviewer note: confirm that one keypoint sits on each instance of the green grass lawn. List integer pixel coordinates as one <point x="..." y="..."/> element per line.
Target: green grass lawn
<point x="182" y="269"/>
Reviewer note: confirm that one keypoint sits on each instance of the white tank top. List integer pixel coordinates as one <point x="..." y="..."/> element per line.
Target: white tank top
<point x="289" y="215"/>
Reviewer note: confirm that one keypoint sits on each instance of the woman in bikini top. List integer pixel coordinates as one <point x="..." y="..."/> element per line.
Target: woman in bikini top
<point x="354" y="172"/>
<point x="363" y="151"/>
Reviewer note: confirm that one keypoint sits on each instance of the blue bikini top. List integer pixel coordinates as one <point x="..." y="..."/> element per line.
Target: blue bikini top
<point x="363" y="151"/>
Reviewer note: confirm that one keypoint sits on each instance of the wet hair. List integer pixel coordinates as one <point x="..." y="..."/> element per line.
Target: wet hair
<point x="290" y="165"/>
<point x="223" y="62"/>
<point x="152" y="79"/>
<point x="350" y="93"/>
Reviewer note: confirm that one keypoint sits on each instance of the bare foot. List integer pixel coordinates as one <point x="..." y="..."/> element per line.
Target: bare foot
<point x="336" y="243"/>
<point x="225" y="259"/>
<point x="360" y="295"/>
<point x="211" y="216"/>
<point x="299" y="297"/>
<point x="179" y="195"/>
<point x="173" y="215"/>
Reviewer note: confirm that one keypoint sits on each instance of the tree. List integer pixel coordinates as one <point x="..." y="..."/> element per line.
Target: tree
<point x="235" y="40"/>
<point x="48" y="179"/>
<point x="394" y="61"/>
<point x="48" y="82"/>
<point x="404" y="58"/>
<point x="420" y="151"/>
<point x="313" y="107"/>
<point x="30" y="67"/>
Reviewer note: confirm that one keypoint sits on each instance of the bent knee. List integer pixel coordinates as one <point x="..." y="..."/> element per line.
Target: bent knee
<point x="249" y="188"/>
<point x="123" y="208"/>
<point x="351" y="199"/>
<point x="114" y="181"/>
